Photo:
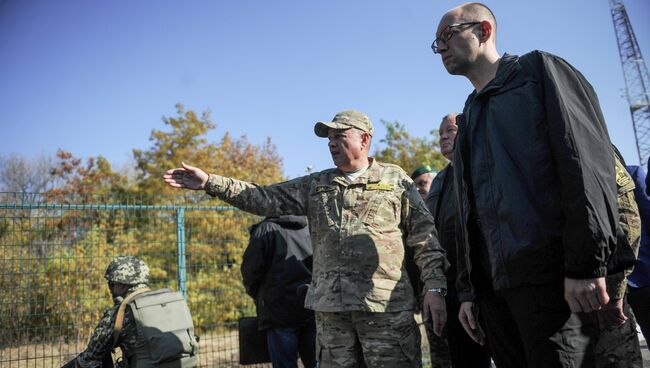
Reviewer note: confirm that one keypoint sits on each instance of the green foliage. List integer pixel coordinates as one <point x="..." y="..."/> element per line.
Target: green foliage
<point x="400" y="148"/>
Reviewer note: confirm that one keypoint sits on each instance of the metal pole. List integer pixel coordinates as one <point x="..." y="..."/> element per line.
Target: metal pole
<point x="180" y="242"/>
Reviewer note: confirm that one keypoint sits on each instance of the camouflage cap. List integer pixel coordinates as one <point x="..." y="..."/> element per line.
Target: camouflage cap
<point x="422" y="169"/>
<point x="127" y="270"/>
<point x="345" y="120"/>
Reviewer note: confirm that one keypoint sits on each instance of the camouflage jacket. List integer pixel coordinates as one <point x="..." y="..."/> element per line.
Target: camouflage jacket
<point x="358" y="231"/>
<point x="629" y="236"/>
<point x="101" y="341"/>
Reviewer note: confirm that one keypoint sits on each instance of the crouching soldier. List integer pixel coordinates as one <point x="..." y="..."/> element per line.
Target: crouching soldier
<point x="152" y="328"/>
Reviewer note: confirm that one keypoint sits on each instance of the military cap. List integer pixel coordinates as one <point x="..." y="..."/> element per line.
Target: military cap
<point x="422" y="169"/>
<point x="127" y="270"/>
<point x="345" y="120"/>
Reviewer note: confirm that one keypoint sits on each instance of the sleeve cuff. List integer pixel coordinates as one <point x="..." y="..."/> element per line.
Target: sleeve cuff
<point x="599" y="272"/>
<point x="214" y="185"/>
<point x="435" y="283"/>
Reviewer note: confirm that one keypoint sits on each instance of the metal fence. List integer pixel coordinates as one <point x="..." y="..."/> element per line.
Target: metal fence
<point x="55" y="249"/>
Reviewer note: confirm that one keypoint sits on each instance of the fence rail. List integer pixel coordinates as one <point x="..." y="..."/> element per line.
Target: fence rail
<point x="55" y="251"/>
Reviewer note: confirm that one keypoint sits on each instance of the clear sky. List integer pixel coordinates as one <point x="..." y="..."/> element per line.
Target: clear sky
<point x="95" y="77"/>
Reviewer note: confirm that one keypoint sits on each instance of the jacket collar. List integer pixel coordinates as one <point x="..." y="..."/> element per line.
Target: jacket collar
<point x="508" y="67"/>
<point x="372" y="175"/>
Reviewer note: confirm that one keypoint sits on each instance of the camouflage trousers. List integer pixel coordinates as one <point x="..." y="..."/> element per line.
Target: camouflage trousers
<point x="366" y="339"/>
<point x="618" y="347"/>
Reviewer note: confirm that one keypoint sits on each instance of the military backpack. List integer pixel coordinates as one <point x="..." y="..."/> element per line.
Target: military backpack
<point x="165" y="330"/>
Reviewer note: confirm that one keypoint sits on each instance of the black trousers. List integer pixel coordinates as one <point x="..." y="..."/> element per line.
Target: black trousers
<point x="455" y="348"/>
<point x="533" y="326"/>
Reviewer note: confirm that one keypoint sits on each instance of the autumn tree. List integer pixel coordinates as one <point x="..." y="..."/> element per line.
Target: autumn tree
<point x="400" y="148"/>
<point x="186" y="141"/>
<point x="94" y="177"/>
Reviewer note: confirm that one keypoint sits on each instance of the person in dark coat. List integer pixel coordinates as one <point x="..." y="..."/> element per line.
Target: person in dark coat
<point x="455" y="348"/>
<point x="536" y="198"/>
<point x="276" y="269"/>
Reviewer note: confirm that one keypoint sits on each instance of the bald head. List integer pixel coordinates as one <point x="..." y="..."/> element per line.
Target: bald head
<point x="472" y="12"/>
<point x="466" y="42"/>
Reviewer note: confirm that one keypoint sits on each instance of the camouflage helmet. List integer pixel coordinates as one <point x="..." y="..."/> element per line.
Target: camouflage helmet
<point x="127" y="270"/>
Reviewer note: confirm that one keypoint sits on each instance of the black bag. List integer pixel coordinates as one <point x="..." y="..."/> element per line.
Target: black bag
<point x="252" y="342"/>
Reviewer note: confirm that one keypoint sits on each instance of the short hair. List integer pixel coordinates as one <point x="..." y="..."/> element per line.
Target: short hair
<point x="449" y="115"/>
<point x="476" y="11"/>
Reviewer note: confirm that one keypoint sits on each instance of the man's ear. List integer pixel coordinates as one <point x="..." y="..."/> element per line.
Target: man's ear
<point x="365" y="139"/>
<point x="486" y="31"/>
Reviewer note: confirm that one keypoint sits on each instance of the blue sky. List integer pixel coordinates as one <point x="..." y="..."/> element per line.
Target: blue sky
<point x="95" y="77"/>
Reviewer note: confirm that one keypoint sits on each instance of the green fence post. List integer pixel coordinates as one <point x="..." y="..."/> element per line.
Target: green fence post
<point x="180" y="234"/>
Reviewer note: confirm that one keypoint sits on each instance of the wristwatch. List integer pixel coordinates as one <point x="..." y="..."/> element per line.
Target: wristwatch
<point x="441" y="291"/>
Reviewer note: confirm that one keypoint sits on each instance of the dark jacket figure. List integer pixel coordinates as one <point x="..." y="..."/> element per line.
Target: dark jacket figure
<point x="455" y="349"/>
<point x="537" y="204"/>
<point x="276" y="270"/>
<point x="639" y="280"/>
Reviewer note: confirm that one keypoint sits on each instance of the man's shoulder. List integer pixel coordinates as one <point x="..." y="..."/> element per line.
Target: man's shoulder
<point x="539" y="58"/>
<point x="391" y="170"/>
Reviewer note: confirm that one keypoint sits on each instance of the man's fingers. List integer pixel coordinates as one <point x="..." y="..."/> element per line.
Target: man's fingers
<point x="471" y="321"/>
<point x="188" y="167"/>
<point x="603" y="297"/>
<point x="573" y="303"/>
<point x="471" y="332"/>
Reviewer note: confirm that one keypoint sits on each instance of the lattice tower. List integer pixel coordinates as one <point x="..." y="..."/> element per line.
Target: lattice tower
<point x="637" y="83"/>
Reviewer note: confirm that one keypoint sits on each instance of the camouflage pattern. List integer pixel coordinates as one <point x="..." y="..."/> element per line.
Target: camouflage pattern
<point x="359" y="231"/>
<point x="127" y="270"/>
<point x="101" y="341"/>
<point x="629" y="222"/>
<point x="345" y="120"/>
<point x="388" y="339"/>
<point x="618" y="346"/>
<point x="438" y="346"/>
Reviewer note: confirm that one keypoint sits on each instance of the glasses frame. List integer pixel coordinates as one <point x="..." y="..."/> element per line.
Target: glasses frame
<point x="435" y="44"/>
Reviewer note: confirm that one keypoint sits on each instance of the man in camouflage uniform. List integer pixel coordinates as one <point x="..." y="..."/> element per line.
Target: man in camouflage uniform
<point x="618" y="343"/>
<point x="125" y="275"/>
<point x="361" y="215"/>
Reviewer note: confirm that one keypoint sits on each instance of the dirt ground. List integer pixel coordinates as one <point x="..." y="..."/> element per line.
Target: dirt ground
<point x="216" y="350"/>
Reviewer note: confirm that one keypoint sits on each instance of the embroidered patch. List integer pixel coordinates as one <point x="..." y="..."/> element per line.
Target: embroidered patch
<point x="380" y="186"/>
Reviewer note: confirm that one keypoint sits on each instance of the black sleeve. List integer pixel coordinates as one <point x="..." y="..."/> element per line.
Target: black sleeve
<point x="585" y="167"/>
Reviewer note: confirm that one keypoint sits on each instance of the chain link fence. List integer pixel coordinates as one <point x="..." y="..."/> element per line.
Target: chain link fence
<point x="55" y="250"/>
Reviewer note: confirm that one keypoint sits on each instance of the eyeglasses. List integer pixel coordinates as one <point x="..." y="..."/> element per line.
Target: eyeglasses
<point x="447" y="34"/>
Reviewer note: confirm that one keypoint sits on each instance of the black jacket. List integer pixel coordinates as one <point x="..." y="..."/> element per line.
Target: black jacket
<point x="535" y="169"/>
<point x="277" y="261"/>
<point x="440" y="202"/>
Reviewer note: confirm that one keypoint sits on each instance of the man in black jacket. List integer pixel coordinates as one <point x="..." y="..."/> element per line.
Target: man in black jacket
<point x="276" y="267"/>
<point x="536" y="197"/>
<point x="455" y="348"/>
